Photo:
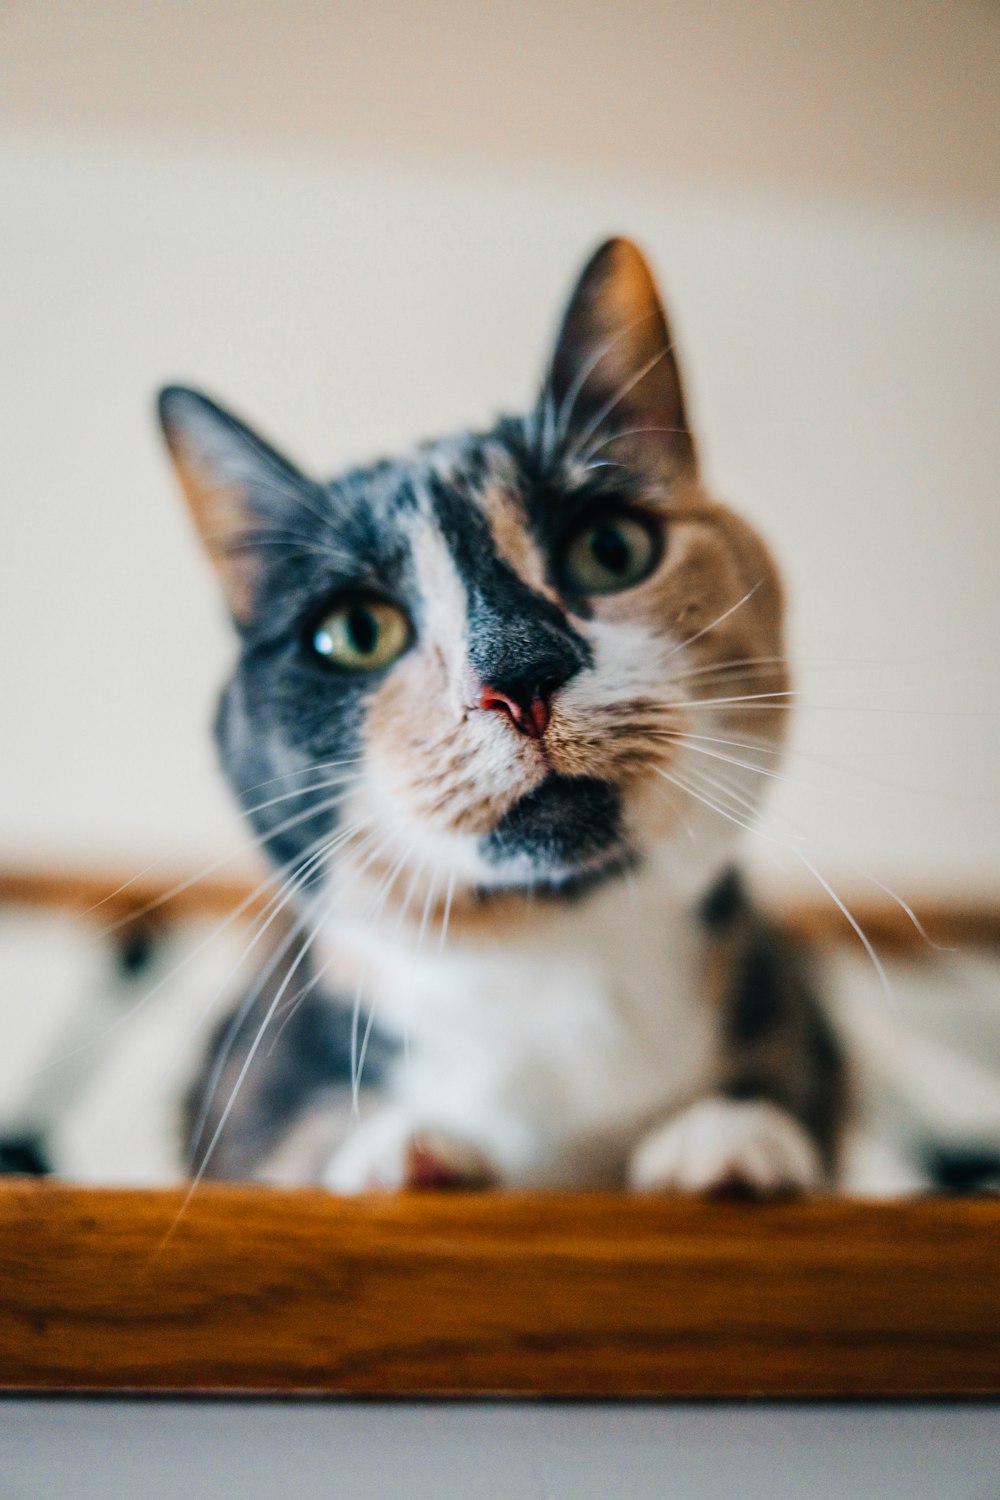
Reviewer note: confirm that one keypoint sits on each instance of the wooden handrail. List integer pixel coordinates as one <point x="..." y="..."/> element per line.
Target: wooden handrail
<point x="606" y="1295"/>
<point x="108" y="897"/>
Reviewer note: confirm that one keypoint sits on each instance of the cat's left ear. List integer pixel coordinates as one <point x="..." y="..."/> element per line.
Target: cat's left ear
<point x="238" y="488"/>
<point x="614" y="386"/>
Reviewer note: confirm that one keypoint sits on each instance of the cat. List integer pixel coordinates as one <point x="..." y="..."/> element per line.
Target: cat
<point x="495" y="720"/>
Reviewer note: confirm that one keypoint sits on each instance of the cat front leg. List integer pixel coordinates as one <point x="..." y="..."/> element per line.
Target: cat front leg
<point x="728" y="1146"/>
<point x="392" y="1150"/>
<point x="774" y="1124"/>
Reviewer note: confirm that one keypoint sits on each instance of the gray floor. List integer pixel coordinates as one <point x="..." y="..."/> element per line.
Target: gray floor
<point x="137" y="1450"/>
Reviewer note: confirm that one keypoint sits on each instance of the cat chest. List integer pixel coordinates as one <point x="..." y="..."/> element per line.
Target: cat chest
<point x="567" y="1042"/>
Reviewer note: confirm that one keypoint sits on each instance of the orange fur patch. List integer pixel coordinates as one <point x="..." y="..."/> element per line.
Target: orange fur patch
<point x="220" y="514"/>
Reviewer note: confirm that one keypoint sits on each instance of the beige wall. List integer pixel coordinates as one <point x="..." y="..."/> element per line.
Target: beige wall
<point x="357" y="223"/>
<point x="886" y="98"/>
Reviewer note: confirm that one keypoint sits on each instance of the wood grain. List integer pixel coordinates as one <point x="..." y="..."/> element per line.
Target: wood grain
<point x="418" y="1295"/>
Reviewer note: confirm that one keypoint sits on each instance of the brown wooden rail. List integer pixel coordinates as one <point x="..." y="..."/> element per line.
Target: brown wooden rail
<point x="418" y="1295"/>
<point x="110" y="897"/>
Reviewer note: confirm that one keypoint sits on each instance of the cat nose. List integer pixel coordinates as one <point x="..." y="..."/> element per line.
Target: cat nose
<point x="527" y="706"/>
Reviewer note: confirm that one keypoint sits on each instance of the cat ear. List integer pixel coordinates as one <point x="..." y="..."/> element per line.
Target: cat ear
<point x="613" y="383"/>
<point x="236" y="486"/>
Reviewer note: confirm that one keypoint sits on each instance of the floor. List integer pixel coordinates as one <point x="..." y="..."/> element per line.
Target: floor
<point x="230" y="1450"/>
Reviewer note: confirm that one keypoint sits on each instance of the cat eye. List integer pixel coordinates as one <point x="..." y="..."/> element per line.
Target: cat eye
<point x="362" y="635"/>
<point x="610" y="553"/>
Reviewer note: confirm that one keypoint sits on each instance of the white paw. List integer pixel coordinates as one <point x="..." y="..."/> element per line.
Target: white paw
<point x="728" y="1145"/>
<point x="391" y="1151"/>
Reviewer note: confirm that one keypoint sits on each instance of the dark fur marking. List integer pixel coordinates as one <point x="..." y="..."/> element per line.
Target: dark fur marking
<point x="778" y="1044"/>
<point x="136" y="949"/>
<point x="724" y="901"/>
<point x="24" y="1155"/>
<point x="290" y="1071"/>
<point x="964" y="1169"/>
<point x="756" y="1006"/>
<point x="517" y="637"/>
<point x="567" y="820"/>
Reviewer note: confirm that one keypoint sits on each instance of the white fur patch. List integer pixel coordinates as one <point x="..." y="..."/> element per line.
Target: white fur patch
<point x="725" y="1143"/>
<point x="547" y="1051"/>
<point x="389" y="1152"/>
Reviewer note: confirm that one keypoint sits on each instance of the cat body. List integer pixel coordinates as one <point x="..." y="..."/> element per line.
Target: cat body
<point x="502" y="712"/>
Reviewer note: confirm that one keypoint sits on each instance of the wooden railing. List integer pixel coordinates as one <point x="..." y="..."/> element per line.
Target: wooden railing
<point x="605" y="1295"/>
<point x="108" y="896"/>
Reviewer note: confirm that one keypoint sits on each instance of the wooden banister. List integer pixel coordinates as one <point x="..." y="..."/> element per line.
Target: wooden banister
<point x="252" y="1289"/>
<point x="108" y="897"/>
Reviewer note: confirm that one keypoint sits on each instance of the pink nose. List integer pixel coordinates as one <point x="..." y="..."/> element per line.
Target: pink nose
<point x="530" y="715"/>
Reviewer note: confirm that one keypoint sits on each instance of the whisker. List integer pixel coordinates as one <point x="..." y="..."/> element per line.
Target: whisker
<point x="244" y="1070"/>
<point x="595" y="424"/>
<point x="546" y="422"/>
<point x="718" y="621"/>
<point x="272" y="1008"/>
<point x="629" y="432"/>
<point x="576" y="387"/>
<point x="297" y="545"/>
<point x="803" y="858"/>
<point x="138" y="1005"/>
<point x="742" y="698"/>
<point x="840" y="708"/>
<point x="221" y="823"/>
<point x="315" y="810"/>
<point x="746" y="765"/>
<point x="418" y="947"/>
<point x="881" y="885"/>
<point x="263" y="484"/>
<point x="287" y="892"/>
<point x="372" y="1008"/>
<point x="833" y="662"/>
<point x="449" y="897"/>
<point x="293" y="1003"/>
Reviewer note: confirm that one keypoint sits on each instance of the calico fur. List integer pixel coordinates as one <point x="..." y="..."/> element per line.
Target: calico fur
<point x="534" y="959"/>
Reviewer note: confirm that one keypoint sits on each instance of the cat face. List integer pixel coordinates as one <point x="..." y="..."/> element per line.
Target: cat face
<point x="511" y="657"/>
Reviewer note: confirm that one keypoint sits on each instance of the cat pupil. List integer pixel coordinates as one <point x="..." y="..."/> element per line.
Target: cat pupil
<point x="609" y="548"/>
<point x="362" y="628"/>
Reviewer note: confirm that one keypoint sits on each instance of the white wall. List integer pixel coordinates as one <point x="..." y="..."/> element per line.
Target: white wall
<point x="843" y="368"/>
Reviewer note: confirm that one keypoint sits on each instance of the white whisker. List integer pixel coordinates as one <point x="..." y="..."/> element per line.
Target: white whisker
<point x="595" y="424"/>
<point x="576" y="387"/>
<point x="742" y="698"/>
<point x="627" y="433"/>
<point x="139" y="1005"/>
<point x="372" y="1008"/>
<point x="288" y="891"/>
<point x="221" y="823"/>
<point x="804" y="859"/>
<point x="718" y="621"/>
<point x="314" y="810"/>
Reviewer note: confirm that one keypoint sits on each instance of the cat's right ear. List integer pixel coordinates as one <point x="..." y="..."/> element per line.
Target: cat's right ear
<point x="236" y="485"/>
<point x="614" y="383"/>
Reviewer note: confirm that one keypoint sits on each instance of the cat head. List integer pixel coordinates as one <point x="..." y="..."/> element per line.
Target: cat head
<point x="510" y="658"/>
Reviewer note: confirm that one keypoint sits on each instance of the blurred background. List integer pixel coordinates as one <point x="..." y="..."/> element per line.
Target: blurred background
<point x="357" y="223"/>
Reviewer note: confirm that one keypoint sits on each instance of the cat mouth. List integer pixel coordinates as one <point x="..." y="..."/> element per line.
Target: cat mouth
<point x="565" y="828"/>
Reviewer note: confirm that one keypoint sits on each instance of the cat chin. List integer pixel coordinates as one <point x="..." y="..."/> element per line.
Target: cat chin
<point x="564" y="827"/>
<point x="561" y="883"/>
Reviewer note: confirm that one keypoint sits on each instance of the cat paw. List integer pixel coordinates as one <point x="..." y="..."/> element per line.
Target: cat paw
<point x="389" y="1152"/>
<point x="726" y="1146"/>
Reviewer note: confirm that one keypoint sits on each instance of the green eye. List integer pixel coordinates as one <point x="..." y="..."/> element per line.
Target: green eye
<point x="610" y="554"/>
<point x="362" y="635"/>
